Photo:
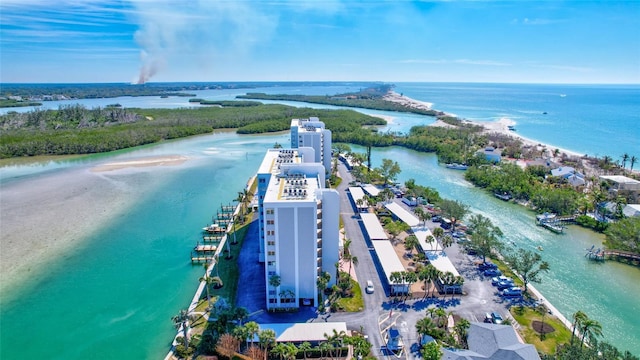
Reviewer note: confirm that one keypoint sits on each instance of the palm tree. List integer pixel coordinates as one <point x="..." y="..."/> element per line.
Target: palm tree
<point x="632" y="162"/>
<point x="410" y="243"/>
<point x="425" y="275"/>
<point x="266" y="338"/>
<point x="578" y="318"/>
<point x="446" y="241"/>
<point x="305" y="347"/>
<point x="396" y="278"/>
<point x="438" y="232"/>
<point x="252" y="329"/>
<point x="591" y="328"/>
<point x="624" y="157"/>
<point x="354" y="261"/>
<point x="410" y="277"/>
<point x="292" y="351"/>
<point x="208" y="281"/>
<point x="441" y="314"/>
<point x="279" y="350"/>
<point x="181" y="321"/>
<point x="461" y="328"/>
<point x="425" y="326"/>
<point x="274" y="281"/>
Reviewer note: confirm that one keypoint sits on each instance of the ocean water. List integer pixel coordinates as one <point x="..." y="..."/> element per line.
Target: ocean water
<point x="588" y="119"/>
<point x="115" y="294"/>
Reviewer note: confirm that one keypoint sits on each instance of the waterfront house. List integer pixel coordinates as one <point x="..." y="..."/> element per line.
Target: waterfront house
<point x="573" y="177"/>
<point x="492" y="341"/>
<point x="491" y="154"/>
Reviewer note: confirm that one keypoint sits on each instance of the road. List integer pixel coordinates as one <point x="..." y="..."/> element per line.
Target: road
<point x="479" y="296"/>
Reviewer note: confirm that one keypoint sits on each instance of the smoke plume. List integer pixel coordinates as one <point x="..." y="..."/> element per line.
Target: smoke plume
<point x="176" y="37"/>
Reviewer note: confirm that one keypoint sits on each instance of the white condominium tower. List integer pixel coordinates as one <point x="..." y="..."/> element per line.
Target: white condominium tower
<point x="298" y="226"/>
<point x="312" y="133"/>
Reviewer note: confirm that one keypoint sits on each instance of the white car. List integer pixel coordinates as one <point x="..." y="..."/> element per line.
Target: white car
<point x="369" y="288"/>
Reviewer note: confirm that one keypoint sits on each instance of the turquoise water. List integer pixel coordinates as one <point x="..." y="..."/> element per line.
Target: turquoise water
<point x="606" y="292"/>
<point x="113" y="297"/>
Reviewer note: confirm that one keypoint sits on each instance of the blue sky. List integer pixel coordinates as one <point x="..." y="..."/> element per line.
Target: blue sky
<point x="278" y="40"/>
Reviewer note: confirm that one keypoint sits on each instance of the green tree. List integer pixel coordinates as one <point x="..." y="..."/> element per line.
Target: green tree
<point x="426" y="326"/>
<point x="181" y="321"/>
<point x="411" y="243"/>
<point x="578" y="318"/>
<point x="590" y="328"/>
<point x="389" y="170"/>
<point x="431" y="351"/>
<point x="454" y="210"/>
<point x="266" y="339"/>
<point x="252" y="329"/>
<point x="462" y="329"/>
<point x="528" y="264"/>
<point x="305" y="347"/>
<point x="624" y="235"/>
<point x="208" y="280"/>
<point x="485" y="237"/>
<point x="438" y="232"/>
<point x="427" y="274"/>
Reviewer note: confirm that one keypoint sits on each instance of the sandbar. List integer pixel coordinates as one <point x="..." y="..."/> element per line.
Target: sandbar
<point x="171" y="160"/>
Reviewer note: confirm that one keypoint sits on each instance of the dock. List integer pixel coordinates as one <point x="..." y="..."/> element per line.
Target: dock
<point x="205" y="248"/>
<point x="552" y="222"/>
<point x="602" y="254"/>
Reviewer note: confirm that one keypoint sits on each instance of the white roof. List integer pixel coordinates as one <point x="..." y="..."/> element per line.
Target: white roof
<point x="402" y="214"/>
<point x="422" y="233"/>
<point x="388" y="257"/>
<point x="620" y="179"/>
<point x="373" y="227"/>
<point x="299" y="332"/>
<point x="631" y="210"/>
<point x="356" y="194"/>
<point x="371" y="190"/>
<point x="441" y="261"/>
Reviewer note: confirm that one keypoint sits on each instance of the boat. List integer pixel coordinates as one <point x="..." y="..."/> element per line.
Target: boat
<point x="540" y="248"/>
<point x="504" y="196"/>
<point x="511" y="128"/>
<point x="544" y="113"/>
<point x="550" y="221"/>
<point x="213" y="228"/>
<point x="456" y="166"/>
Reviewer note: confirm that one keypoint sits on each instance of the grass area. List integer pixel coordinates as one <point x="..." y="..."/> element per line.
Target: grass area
<point x="506" y="271"/>
<point x="354" y="303"/>
<point x="550" y="341"/>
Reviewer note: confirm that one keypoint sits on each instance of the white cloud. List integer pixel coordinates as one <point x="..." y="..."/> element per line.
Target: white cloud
<point x="456" y="61"/>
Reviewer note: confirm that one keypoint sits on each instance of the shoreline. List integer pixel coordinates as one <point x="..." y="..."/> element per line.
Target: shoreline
<point x="500" y="126"/>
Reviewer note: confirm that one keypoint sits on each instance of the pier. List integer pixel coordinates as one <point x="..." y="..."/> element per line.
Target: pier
<point x="619" y="255"/>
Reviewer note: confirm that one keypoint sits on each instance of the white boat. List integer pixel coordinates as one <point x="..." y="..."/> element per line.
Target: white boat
<point x="213" y="228"/>
<point x="456" y="166"/>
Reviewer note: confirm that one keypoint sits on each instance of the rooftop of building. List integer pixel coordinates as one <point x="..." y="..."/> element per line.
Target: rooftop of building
<point x="274" y="158"/>
<point x="312" y="124"/>
<point x="292" y="186"/>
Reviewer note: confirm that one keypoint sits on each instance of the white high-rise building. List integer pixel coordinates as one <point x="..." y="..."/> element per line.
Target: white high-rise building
<point x="312" y="133"/>
<point x="299" y="225"/>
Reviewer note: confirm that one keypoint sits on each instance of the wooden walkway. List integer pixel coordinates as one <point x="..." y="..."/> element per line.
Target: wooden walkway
<point x="601" y="255"/>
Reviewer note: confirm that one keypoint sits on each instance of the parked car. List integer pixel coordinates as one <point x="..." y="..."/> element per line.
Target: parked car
<point x="486" y="266"/>
<point x="496" y="318"/>
<point x="436" y="218"/>
<point x="512" y="292"/>
<point x="492" y="272"/>
<point x="505" y="284"/>
<point x="497" y="279"/>
<point x="369" y="288"/>
<point x="488" y="318"/>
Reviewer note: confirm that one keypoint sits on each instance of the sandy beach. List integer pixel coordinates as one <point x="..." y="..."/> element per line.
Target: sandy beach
<point x="46" y="216"/>
<point x="500" y="126"/>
